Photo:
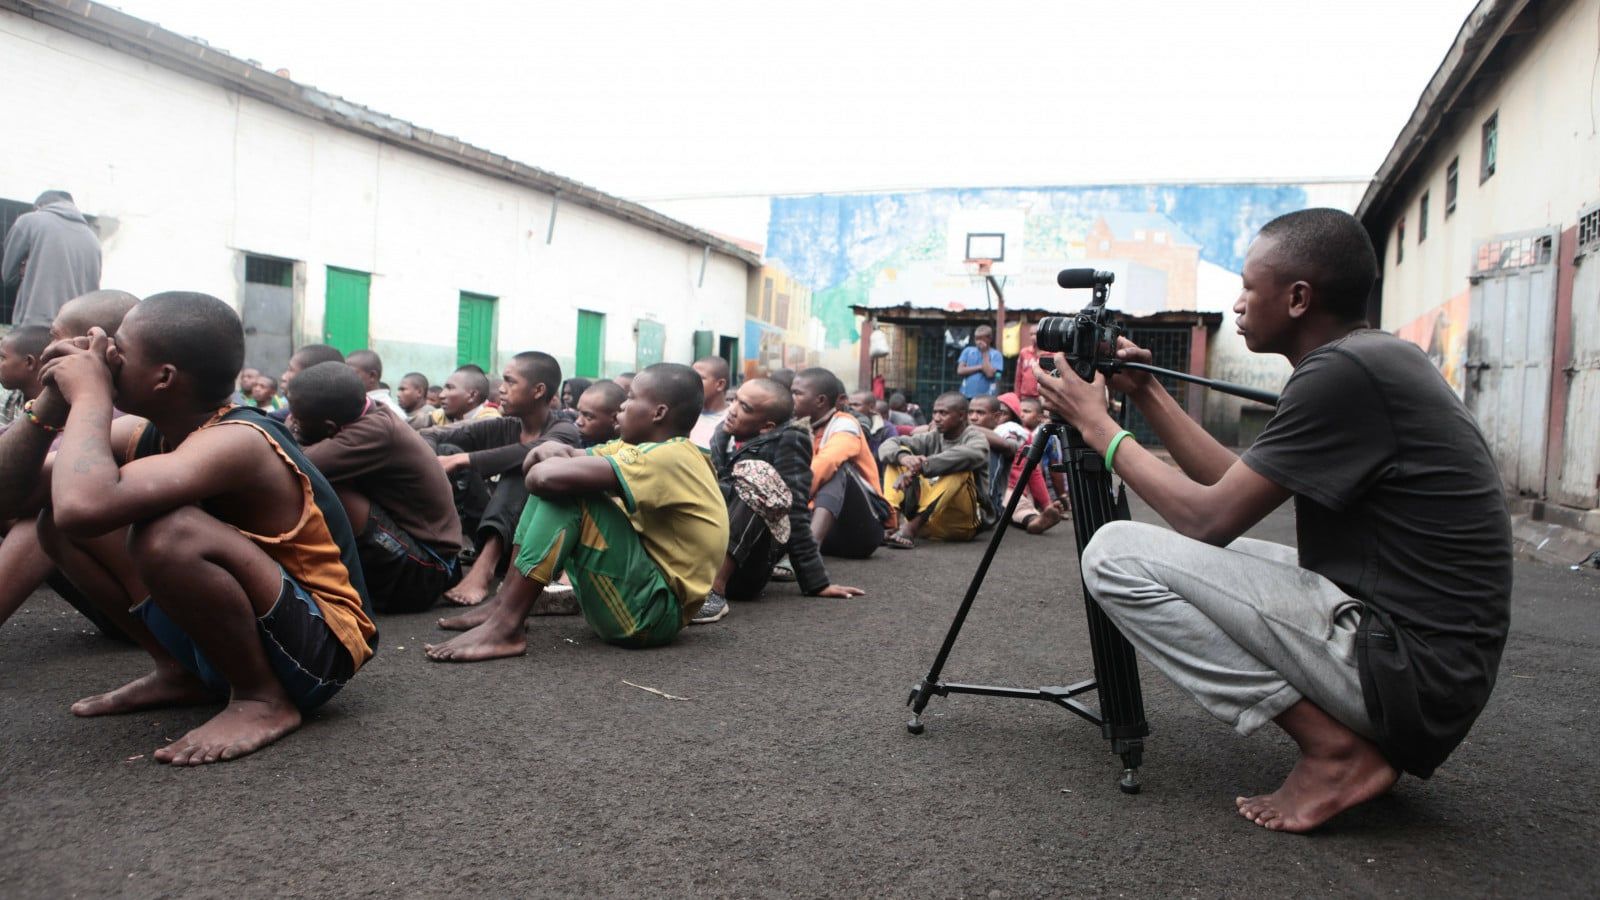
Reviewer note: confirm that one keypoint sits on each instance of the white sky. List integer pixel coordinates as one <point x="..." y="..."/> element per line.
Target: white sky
<point x="662" y="100"/>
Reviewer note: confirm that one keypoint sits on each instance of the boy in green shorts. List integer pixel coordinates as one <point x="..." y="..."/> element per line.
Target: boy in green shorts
<point x="638" y="524"/>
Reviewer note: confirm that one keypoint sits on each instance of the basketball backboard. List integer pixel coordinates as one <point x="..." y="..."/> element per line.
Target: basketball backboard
<point x="992" y="234"/>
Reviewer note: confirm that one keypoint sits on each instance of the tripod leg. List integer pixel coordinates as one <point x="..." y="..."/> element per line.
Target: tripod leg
<point x="930" y="684"/>
<point x="1116" y="667"/>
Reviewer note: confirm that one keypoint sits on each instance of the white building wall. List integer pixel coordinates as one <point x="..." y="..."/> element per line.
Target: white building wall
<point x="185" y="176"/>
<point x="1548" y="166"/>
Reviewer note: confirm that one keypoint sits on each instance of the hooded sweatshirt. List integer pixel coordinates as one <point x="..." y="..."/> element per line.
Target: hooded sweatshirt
<point x="62" y="258"/>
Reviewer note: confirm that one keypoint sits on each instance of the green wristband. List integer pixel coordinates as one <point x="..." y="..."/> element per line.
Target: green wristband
<point x="1111" y="448"/>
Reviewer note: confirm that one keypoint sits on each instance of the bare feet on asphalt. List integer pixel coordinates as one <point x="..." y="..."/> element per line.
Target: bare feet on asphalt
<point x="244" y="727"/>
<point x="162" y="687"/>
<point x="469" y="592"/>
<point x="472" y="618"/>
<point x="1320" y="787"/>
<point x="491" y="640"/>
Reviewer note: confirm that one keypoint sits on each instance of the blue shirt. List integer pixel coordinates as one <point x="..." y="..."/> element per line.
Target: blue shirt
<point x="975" y="385"/>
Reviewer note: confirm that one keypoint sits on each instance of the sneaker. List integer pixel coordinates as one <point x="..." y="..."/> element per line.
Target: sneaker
<point x="715" y="607"/>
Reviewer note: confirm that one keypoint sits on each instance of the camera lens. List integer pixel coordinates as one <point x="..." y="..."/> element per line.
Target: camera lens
<point x="1054" y="333"/>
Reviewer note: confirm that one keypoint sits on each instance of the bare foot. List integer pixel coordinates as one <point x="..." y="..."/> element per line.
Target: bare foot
<point x="244" y="727"/>
<point x="162" y="687"/>
<point x="470" y="619"/>
<point x="470" y="592"/>
<point x="1048" y="518"/>
<point x="1320" y="787"/>
<point x="491" y="640"/>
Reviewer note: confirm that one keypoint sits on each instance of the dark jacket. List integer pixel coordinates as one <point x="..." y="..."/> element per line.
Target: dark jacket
<point x="494" y="445"/>
<point x="788" y="449"/>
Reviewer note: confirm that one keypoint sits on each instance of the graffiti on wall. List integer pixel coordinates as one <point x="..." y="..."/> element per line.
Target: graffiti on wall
<point x="846" y="246"/>
<point x="1441" y="332"/>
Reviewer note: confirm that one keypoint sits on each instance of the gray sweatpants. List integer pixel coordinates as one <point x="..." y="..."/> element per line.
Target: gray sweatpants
<point x="1242" y="628"/>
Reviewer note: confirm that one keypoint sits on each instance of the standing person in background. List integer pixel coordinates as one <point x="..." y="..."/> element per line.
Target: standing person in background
<point x="713" y="372"/>
<point x="980" y="365"/>
<point x="1027" y="382"/>
<point x="53" y="255"/>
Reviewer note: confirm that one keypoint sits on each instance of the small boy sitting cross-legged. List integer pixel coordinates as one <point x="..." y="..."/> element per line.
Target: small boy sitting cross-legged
<point x="638" y="524"/>
<point x="387" y="477"/>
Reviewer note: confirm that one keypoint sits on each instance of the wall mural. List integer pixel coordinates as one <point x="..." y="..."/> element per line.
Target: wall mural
<point x="847" y="247"/>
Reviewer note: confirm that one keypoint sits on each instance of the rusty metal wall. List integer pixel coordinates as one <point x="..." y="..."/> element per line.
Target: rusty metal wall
<point x="1509" y="340"/>
<point x="1579" y="480"/>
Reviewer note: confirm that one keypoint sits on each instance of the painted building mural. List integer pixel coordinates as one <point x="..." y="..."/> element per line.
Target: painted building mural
<point x="856" y="249"/>
<point x="1173" y="247"/>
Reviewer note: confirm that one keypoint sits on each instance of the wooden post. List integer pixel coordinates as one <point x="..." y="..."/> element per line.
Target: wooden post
<point x="864" y="373"/>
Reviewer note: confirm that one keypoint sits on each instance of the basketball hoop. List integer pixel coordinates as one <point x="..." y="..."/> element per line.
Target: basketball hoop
<point x="978" y="269"/>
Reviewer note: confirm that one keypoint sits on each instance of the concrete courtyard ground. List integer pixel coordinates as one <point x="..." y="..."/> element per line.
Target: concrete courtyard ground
<point x="787" y="771"/>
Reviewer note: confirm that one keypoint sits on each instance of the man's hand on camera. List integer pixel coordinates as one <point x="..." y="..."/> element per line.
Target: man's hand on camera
<point x="1129" y="381"/>
<point x="1081" y="403"/>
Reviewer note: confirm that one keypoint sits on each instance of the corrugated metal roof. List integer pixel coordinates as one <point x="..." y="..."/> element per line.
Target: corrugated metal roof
<point x="196" y="59"/>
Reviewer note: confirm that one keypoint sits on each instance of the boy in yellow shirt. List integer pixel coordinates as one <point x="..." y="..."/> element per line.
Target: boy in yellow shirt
<point x="638" y="524"/>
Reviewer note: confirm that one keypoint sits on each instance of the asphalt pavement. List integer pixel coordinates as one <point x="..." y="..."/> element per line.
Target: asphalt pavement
<point x="785" y="770"/>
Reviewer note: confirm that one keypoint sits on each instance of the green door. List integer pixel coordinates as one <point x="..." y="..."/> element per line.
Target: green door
<point x="475" y="331"/>
<point x="591" y="337"/>
<point x="702" y="345"/>
<point x="345" y="319"/>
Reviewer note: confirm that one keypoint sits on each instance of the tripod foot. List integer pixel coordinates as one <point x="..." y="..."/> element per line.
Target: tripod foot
<point x="915" y="726"/>
<point x="1130" y="781"/>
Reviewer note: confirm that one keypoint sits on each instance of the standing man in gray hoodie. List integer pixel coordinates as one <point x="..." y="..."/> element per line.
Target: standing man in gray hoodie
<point x="56" y="256"/>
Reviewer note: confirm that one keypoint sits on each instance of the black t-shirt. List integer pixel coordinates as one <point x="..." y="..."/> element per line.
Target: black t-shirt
<point x="1399" y="503"/>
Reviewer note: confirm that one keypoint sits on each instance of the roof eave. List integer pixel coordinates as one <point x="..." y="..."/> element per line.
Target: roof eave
<point x="128" y="34"/>
<point x="1480" y="34"/>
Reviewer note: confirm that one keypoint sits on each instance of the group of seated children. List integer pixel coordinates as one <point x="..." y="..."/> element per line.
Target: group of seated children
<point x="645" y="503"/>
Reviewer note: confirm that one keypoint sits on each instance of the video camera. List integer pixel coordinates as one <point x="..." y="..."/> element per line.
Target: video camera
<point x="1088" y="337"/>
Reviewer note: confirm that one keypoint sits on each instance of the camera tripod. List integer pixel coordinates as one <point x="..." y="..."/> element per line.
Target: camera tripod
<point x="1116" y="669"/>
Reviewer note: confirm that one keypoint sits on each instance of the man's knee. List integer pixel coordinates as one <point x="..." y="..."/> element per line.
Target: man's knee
<point x="1111" y="549"/>
<point x="170" y="538"/>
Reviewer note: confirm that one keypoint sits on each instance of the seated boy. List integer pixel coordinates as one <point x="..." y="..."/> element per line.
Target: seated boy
<point x="24" y="566"/>
<point x="369" y="366"/>
<point x="1036" y="512"/>
<point x="412" y="395"/>
<point x="848" y="514"/>
<point x="389" y="480"/>
<point x="639" y="525"/>
<point x="264" y="394"/>
<point x="464" y="398"/>
<point x="304" y="358"/>
<point x="933" y="477"/>
<point x="983" y="414"/>
<point x="760" y="428"/>
<point x="474" y="452"/>
<point x="598" y="407"/>
<point x="245" y="588"/>
<point x="21" y="355"/>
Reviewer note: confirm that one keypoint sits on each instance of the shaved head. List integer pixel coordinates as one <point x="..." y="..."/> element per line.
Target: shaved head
<point x="104" y="310"/>
<point x="778" y="403"/>
<point x="1328" y="249"/>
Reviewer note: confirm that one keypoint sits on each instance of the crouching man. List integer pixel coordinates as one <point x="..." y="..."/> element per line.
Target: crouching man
<point x="1375" y="646"/>
<point x="239" y="575"/>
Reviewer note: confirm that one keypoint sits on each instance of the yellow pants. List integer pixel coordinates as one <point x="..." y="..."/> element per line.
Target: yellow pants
<point x="949" y="501"/>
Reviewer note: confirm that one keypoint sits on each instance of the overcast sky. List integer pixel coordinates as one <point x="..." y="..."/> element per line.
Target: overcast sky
<point x="656" y="100"/>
